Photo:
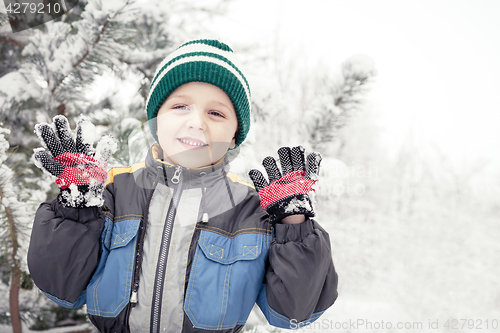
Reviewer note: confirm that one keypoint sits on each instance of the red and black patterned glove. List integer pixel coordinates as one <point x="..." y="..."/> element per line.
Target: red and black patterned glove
<point x="289" y="194"/>
<point x="80" y="170"/>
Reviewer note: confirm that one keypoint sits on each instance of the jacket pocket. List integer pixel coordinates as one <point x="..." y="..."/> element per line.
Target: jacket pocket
<point x="109" y="289"/>
<point x="225" y="279"/>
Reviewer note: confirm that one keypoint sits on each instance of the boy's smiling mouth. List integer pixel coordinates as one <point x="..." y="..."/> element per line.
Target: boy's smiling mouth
<point x="192" y="143"/>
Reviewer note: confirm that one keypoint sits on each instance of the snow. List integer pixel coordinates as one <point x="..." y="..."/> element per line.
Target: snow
<point x="4" y="144"/>
<point x="296" y="205"/>
<point x="348" y="314"/>
<point x="113" y="10"/>
<point x="63" y="45"/>
<point x="100" y="10"/>
<point x="58" y="49"/>
<point x="106" y="147"/>
<point x="92" y="200"/>
<point x="75" y="193"/>
<point x="361" y="63"/>
<point x="39" y="134"/>
<point x="120" y="89"/>
<point x="334" y="173"/>
<point x="150" y="9"/>
<point x="18" y="86"/>
<point x="88" y="130"/>
<point x="59" y="118"/>
<point x="129" y="124"/>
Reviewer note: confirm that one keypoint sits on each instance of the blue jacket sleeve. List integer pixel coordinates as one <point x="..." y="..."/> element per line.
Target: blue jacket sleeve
<point x="64" y="250"/>
<point x="301" y="282"/>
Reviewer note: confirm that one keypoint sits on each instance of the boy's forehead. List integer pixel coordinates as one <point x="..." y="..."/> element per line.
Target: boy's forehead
<point x="210" y="92"/>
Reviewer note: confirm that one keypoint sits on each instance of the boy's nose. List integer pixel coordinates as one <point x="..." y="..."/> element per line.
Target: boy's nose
<point x="195" y="119"/>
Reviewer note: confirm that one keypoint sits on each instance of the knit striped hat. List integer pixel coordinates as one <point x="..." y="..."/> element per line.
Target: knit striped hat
<point x="203" y="60"/>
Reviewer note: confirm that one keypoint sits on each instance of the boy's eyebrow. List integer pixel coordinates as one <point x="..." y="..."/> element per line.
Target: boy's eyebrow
<point x="179" y="95"/>
<point x="223" y="104"/>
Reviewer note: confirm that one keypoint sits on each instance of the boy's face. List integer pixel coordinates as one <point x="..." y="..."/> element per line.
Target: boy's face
<point x="197" y="124"/>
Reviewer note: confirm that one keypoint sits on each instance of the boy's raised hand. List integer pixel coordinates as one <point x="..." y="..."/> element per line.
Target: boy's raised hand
<point x="80" y="170"/>
<point x="288" y="193"/>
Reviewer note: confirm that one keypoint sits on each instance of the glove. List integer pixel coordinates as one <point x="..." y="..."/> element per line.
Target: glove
<point x="289" y="194"/>
<point x="80" y="170"/>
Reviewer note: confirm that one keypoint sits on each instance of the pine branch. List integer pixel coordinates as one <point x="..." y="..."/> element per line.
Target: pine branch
<point x="84" y="57"/>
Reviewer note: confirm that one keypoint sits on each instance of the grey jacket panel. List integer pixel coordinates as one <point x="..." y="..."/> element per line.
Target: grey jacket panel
<point x="140" y="314"/>
<point x="173" y="292"/>
<point x="64" y="248"/>
<point x="124" y="199"/>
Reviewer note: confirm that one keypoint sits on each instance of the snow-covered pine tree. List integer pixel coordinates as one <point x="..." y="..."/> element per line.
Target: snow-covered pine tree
<point x="96" y="60"/>
<point x="335" y="99"/>
<point x="17" y="207"/>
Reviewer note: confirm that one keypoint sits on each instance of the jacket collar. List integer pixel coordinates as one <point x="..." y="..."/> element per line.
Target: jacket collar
<point x="192" y="175"/>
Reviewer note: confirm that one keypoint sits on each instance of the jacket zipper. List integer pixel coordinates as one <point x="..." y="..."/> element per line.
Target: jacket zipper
<point x="163" y="256"/>
<point x="140" y="248"/>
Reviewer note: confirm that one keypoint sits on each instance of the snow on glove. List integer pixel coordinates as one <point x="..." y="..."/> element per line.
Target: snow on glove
<point x="290" y="193"/>
<point x="80" y="170"/>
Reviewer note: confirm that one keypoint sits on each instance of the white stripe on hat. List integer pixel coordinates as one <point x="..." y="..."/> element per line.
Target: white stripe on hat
<point x="198" y="47"/>
<point x="204" y="58"/>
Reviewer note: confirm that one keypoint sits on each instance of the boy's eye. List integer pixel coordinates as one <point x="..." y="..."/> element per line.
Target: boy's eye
<point x="217" y="113"/>
<point x="180" y="107"/>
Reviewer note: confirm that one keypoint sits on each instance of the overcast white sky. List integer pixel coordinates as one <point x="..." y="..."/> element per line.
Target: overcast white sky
<point x="438" y="62"/>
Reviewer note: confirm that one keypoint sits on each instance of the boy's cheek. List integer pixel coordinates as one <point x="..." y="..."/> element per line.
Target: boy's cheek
<point x="164" y="127"/>
<point x="219" y="149"/>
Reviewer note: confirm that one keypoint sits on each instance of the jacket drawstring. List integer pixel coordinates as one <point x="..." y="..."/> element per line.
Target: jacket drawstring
<point x="203" y="203"/>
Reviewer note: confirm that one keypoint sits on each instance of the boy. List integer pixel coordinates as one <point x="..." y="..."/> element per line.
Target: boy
<point x="177" y="243"/>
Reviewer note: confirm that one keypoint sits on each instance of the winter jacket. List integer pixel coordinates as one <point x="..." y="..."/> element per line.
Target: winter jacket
<point x="146" y="262"/>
